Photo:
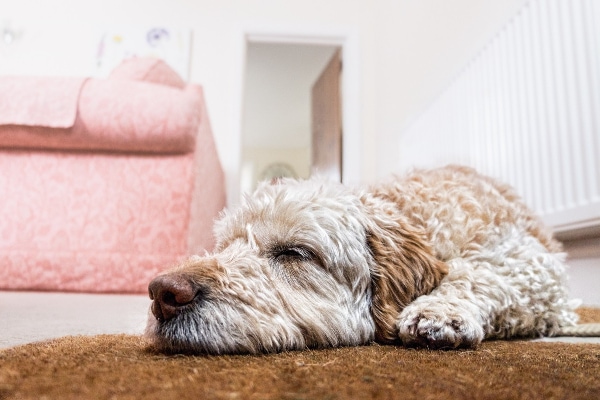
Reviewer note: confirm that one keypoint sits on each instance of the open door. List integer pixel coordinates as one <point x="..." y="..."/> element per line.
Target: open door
<point x="326" y="117"/>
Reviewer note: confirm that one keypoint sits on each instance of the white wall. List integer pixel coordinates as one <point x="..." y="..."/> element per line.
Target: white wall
<point x="409" y="51"/>
<point x="416" y="48"/>
<point x="257" y="159"/>
<point x="584" y="280"/>
<point x="584" y="266"/>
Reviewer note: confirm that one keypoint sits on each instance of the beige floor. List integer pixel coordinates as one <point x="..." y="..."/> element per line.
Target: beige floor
<point x="33" y="316"/>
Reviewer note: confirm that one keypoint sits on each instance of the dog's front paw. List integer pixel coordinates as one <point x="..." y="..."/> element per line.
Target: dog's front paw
<point x="438" y="327"/>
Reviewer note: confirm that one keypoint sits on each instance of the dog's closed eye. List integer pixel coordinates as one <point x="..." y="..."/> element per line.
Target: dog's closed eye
<point x="291" y="262"/>
<point x="285" y="254"/>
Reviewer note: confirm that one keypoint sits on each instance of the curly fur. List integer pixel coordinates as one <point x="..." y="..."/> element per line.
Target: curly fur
<point x="443" y="258"/>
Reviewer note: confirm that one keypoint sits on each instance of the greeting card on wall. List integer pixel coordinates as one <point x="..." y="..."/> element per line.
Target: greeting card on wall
<point x="171" y="45"/>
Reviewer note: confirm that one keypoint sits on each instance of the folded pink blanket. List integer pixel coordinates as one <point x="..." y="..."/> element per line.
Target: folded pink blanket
<point x="112" y="115"/>
<point x="34" y="101"/>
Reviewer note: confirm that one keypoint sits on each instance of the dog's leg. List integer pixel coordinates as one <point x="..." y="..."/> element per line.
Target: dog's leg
<point x="461" y="311"/>
<point x="518" y="293"/>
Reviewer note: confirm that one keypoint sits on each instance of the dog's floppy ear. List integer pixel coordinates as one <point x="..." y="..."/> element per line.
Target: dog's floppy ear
<point x="404" y="265"/>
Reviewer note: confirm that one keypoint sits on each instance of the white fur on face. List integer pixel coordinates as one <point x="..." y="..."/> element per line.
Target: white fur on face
<point x="291" y="271"/>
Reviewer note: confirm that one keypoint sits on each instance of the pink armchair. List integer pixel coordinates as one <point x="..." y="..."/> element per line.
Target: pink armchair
<point x="104" y="182"/>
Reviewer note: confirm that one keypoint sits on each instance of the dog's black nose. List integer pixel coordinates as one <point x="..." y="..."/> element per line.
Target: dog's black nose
<point x="169" y="294"/>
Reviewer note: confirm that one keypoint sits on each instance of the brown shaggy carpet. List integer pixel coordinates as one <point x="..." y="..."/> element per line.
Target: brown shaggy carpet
<point x="122" y="367"/>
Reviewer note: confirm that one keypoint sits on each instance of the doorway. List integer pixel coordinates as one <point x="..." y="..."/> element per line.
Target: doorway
<point x="240" y="175"/>
<point x="277" y="120"/>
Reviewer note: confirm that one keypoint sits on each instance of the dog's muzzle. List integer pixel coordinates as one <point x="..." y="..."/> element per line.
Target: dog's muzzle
<point x="170" y="294"/>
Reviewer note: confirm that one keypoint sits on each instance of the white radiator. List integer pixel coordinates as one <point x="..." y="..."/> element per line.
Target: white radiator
<point x="527" y="110"/>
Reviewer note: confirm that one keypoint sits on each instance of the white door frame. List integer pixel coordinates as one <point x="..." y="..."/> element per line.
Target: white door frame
<point x="351" y="124"/>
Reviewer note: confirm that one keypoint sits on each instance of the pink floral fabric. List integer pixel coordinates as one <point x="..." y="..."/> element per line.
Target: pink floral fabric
<point x="208" y="196"/>
<point x="91" y="223"/>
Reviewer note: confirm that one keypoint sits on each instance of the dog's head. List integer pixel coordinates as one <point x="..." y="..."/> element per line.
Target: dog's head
<point x="300" y="264"/>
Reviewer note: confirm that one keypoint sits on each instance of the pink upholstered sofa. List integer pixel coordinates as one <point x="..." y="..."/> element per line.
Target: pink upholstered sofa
<point x="104" y="182"/>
